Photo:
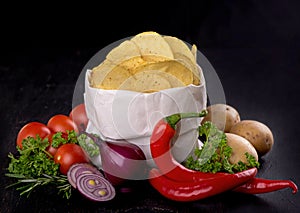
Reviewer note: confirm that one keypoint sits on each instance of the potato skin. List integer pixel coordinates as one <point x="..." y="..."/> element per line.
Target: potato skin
<point x="239" y="147"/>
<point x="223" y="116"/>
<point x="257" y="133"/>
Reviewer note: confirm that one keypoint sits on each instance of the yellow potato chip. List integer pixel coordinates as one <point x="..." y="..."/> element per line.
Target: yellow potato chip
<point x="132" y="63"/>
<point x="178" y="46"/>
<point x="108" y="76"/>
<point x="146" y="81"/>
<point x="173" y="81"/>
<point x="126" y="50"/>
<point x="147" y="62"/>
<point x="194" y="51"/>
<point x="152" y="43"/>
<point x="183" y="54"/>
<point x="171" y="67"/>
<point x="99" y="73"/>
<point x="190" y="65"/>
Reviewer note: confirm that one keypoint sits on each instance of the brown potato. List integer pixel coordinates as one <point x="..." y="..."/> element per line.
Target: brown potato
<point x="257" y="133"/>
<point x="223" y="116"/>
<point x="239" y="147"/>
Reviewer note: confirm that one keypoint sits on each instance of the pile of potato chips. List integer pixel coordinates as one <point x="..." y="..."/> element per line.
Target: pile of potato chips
<point x="148" y="62"/>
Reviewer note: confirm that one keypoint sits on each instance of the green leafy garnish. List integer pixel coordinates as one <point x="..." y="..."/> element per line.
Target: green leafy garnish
<point x="214" y="155"/>
<point x="251" y="162"/>
<point x="28" y="184"/>
<point x="88" y="144"/>
<point x="34" y="160"/>
<point x="58" y="139"/>
<point x="35" y="167"/>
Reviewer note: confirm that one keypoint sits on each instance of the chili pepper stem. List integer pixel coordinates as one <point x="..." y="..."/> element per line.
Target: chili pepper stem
<point x="175" y="118"/>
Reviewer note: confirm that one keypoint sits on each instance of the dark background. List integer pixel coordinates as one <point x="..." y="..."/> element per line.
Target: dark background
<point x="254" y="47"/>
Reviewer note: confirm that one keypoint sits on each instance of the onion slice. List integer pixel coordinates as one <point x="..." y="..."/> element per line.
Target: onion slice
<point x="78" y="169"/>
<point x="95" y="187"/>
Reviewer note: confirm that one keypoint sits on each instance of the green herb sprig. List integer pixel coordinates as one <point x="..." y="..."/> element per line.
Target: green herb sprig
<point x="33" y="160"/>
<point x="59" y="138"/>
<point x="26" y="184"/>
<point x="214" y="155"/>
<point x="34" y="166"/>
<point x="88" y="145"/>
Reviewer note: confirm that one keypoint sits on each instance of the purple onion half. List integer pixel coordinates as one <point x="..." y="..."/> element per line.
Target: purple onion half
<point x="122" y="161"/>
<point x="79" y="169"/>
<point x="95" y="187"/>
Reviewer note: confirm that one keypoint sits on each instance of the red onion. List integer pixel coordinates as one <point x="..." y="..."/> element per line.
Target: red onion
<point x="78" y="169"/>
<point x="122" y="161"/>
<point x="95" y="187"/>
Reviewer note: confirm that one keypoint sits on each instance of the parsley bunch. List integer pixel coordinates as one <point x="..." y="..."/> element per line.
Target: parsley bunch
<point x="59" y="138"/>
<point x="34" y="160"/>
<point x="214" y="155"/>
<point x="35" y="167"/>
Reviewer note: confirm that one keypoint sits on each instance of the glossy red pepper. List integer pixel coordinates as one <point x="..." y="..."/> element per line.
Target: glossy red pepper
<point x="160" y="146"/>
<point x="260" y="185"/>
<point x="177" y="182"/>
<point x="191" y="191"/>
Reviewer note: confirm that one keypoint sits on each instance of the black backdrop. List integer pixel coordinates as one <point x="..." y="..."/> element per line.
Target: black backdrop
<point x="253" y="45"/>
<point x="247" y="23"/>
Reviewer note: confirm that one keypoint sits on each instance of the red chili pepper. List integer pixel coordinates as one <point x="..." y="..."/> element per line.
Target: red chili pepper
<point x="191" y="191"/>
<point x="160" y="146"/>
<point x="177" y="182"/>
<point x="259" y="185"/>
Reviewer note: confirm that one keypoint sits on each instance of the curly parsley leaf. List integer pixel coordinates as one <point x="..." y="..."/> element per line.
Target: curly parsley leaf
<point x="60" y="138"/>
<point x="86" y="141"/>
<point x="214" y="155"/>
<point x="34" y="160"/>
<point x="34" y="167"/>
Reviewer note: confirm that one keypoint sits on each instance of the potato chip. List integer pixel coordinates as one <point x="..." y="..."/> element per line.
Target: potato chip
<point x="190" y="65"/>
<point x="175" y="73"/>
<point x="165" y="61"/>
<point x="152" y="43"/>
<point x="194" y="51"/>
<point x="124" y="51"/>
<point x="146" y="81"/>
<point x="178" y="46"/>
<point x="108" y="76"/>
<point x="173" y="81"/>
<point x="171" y="67"/>
<point x="99" y="73"/>
<point x="183" y="54"/>
<point x="133" y="63"/>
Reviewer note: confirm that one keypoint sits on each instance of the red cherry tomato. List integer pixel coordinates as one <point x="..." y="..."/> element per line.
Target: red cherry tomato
<point x="32" y="129"/>
<point x="69" y="154"/>
<point x="61" y="123"/>
<point x="78" y="115"/>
